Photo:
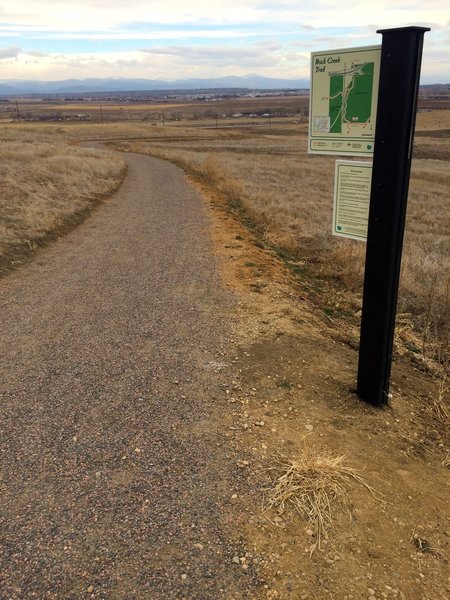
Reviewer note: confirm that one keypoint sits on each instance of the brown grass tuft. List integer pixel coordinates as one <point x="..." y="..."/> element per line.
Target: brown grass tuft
<point x="439" y="408"/>
<point x="316" y="485"/>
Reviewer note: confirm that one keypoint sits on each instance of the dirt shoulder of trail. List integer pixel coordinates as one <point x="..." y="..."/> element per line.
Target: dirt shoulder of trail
<point x="294" y="383"/>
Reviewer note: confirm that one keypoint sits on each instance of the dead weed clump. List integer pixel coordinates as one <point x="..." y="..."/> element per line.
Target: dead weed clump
<point x="220" y="178"/>
<point x="213" y="169"/>
<point x="438" y="410"/>
<point x="316" y="485"/>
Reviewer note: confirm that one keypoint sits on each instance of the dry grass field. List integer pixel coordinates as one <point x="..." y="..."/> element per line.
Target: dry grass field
<point x="47" y="184"/>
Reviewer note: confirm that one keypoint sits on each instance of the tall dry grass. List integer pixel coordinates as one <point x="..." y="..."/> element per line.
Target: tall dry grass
<point x="44" y="181"/>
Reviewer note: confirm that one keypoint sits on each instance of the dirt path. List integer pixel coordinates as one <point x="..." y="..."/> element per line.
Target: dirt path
<point x="116" y="476"/>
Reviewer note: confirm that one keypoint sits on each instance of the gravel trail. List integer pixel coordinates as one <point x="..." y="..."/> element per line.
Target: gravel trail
<point x="116" y="476"/>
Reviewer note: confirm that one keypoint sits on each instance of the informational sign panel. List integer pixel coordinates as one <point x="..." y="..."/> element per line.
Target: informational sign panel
<point x="343" y="101"/>
<point x="352" y="199"/>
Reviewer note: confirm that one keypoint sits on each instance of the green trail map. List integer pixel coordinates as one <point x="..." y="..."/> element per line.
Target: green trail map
<point x="343" y="101"/>
<point x="351" y="96"/>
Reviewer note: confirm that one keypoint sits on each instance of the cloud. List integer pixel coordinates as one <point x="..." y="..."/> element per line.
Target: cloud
<point x="215" y="52"/>
<point x="176" y="38"/>
<point x="12" y="52"/>
<point x="126" y="34"/>
<point x="37" y="54"/>
<point x="267" y="57"/>
<point x="87" y="16"/>
<point x="260" y="55"/>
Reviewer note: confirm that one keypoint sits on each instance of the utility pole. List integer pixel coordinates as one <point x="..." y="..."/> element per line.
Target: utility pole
<point x="18" y="112"/>
<point x="101" y="114"/>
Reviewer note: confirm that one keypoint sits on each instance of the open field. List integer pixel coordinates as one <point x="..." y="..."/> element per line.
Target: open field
<point x="47" y="186"/>
<point x="156" y="110"/>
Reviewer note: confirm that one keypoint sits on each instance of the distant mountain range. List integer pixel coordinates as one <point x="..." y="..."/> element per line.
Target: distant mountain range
<point x="75" y="86"/>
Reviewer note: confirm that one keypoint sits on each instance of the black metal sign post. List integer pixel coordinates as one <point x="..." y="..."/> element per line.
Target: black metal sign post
<point x="401" y="56"/>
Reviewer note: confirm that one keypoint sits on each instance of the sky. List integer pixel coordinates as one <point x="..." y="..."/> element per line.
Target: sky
<point x="180" y="39"/>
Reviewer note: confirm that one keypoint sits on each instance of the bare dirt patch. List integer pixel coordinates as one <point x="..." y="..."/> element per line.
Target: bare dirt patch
<point x="295" y="377"/>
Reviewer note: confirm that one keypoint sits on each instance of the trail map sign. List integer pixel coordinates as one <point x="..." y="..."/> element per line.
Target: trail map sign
<point x="351" y="199"/>
<point x="343" y="101"/>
